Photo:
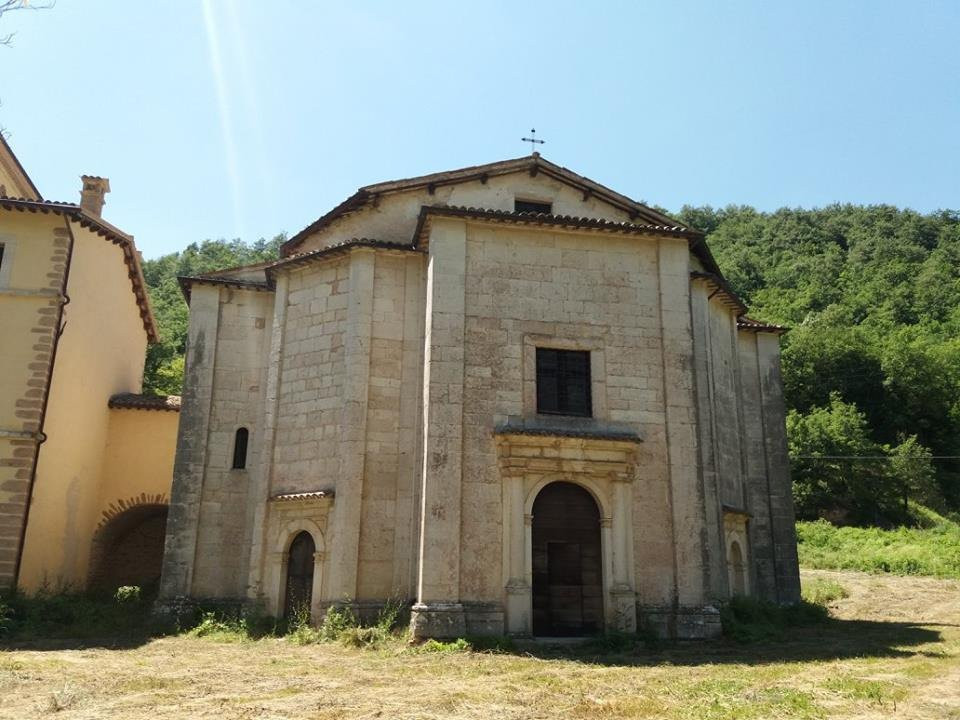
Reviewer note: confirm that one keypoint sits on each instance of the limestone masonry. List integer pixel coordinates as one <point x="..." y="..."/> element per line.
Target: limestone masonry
<point x="508" y="394"/>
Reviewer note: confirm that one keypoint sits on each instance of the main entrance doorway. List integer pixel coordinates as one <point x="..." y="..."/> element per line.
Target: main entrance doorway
<point x="299" y="591"/>
<point x="567" y="562"/>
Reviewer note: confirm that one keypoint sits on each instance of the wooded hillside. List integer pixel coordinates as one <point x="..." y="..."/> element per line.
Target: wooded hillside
<point x="871" y="364"/>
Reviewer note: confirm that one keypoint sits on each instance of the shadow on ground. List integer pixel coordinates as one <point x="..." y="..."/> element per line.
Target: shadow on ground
<point x="831" y="640"/>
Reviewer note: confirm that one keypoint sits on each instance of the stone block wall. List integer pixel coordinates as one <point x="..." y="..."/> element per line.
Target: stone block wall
<point x="238" y="378"/>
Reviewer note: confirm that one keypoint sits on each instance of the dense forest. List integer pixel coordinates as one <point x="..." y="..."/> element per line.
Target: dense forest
<point x="871" y="364"/>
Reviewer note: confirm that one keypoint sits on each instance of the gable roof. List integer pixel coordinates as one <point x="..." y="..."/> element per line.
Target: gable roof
<point x="10" y="161"/>
<point x="104" y="229"/>
<point x="534" y="164"/>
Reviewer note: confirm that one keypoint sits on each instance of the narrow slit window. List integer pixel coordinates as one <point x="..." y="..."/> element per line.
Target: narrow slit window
<point x="531" y="206"/>
<point x="240" y="449"/>
<point x="563" y="382"/>
<point x="1" y="256"/>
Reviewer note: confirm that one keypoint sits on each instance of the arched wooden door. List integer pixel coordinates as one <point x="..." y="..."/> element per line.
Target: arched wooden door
<point x="567" y="562"/>
<point x="299" y="592"/>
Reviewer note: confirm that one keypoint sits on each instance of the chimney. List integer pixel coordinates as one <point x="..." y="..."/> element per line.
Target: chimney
<point x="91" y="195"/>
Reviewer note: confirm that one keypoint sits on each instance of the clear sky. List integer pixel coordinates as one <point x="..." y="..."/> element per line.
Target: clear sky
<point x="237" y="118"/>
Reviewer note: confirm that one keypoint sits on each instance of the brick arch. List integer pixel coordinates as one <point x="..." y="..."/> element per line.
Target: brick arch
<point x="121" y="505"/>
<point x="127" y="547"/>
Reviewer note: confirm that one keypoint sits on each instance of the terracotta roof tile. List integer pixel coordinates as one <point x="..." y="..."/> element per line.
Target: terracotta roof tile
<point x="315" y="495"/>
<point x="104" y="229"/>
<point x="745" y="323"/>
<point x="532" y="163"/>
<point x="138" y="401"/>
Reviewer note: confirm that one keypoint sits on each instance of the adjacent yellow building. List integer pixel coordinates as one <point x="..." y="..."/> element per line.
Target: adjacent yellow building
<point x="85" y="460"/>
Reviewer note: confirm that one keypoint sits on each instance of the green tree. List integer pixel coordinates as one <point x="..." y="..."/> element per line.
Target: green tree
<point x="163" y="369"/>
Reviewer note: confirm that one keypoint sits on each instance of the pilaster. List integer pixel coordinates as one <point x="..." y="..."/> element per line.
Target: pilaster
<point x="345" y="540"/>
<point x="438" y="612"/>
<point x="192" y="440"/>
<point x="686" y="490"/>
<point x="263" y="479"/>
<point x="782" y="517"/>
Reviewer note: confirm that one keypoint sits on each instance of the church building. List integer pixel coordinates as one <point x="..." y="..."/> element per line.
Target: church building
<point x="507" y="394"/>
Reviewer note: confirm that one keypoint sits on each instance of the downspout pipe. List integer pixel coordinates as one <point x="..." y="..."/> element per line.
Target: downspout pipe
<point x="62" y="302"/>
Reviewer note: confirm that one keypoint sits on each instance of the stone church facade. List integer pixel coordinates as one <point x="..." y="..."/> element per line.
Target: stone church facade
<point x="508" y="394"/>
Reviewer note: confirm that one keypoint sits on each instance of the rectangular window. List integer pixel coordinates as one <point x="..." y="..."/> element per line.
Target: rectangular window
<point x="563" y="382"/>
<point x="529" y="206"/>
<point x="1" y="256"/>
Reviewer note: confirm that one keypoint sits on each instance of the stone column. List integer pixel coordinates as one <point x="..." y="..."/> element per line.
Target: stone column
<point x="345" y="537"/>
<point x="190" y="464"/>
<point x="438" y="612"/>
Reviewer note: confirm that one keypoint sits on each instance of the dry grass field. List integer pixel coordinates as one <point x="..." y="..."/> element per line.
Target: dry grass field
<point x="892" y="649"/>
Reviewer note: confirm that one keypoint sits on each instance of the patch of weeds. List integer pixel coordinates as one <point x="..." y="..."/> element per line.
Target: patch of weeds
<point x="299" y="631"/>
<point x="491" y="643"/>
<point x="821" y="591"/>
<point x="64" y="612"/>
<point x="439" y="646"/>
<point x="337" y="621"/>
<point x="340" y="624"/>
<point x="373" y="637"/>
<point x="747" y="619"/>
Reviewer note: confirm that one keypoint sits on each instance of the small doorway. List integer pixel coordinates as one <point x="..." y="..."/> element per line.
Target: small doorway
<point x="299" y="588"/>
<point x="567" y="562"/>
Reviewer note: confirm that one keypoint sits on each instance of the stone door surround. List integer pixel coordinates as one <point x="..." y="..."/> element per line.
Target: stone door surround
<point x="605" y="465"/>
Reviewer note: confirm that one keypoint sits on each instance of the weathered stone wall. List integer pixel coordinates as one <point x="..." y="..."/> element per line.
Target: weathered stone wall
<point x="312" y="378"/>
<point x="600" y="293"/>
<point x="393" y="416"/>
<point x="238" y="377"/>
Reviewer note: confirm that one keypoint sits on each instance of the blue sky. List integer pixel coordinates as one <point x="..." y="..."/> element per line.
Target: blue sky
<point x="236" y="118"/>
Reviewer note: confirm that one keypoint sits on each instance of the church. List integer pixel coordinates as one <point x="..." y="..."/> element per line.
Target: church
<point x="508" y="395"/>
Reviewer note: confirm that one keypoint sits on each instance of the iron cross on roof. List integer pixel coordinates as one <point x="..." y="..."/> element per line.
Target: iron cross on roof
<point x="533" y="140"/>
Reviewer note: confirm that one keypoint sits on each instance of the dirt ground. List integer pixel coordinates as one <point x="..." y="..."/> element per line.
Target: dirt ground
<point x="892" y="650"/>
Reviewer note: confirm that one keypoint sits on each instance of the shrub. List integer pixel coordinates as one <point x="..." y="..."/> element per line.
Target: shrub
<point x="820" y="591"/>
<point x="6" y="617"/>
<point x="128" y="594"/>
<point x="67" y="613"/>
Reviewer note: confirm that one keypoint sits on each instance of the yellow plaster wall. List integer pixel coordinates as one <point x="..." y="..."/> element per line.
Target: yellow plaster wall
<point x="101" y="353"/>
<point x="28" y="241"/>
<point x="29" y="285"/>
<point x="138" y="460"/>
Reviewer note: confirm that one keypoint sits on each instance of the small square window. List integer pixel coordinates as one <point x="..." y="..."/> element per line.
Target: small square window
<point x="563" y="382"/>
<point x="530" y="206"/>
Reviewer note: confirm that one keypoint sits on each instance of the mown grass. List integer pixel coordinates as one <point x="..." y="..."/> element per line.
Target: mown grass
<point x="845" y="666"/>
<point x="932" y="549"/>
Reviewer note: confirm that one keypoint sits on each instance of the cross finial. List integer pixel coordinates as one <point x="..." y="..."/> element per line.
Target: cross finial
<point x="533" y="140"/>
